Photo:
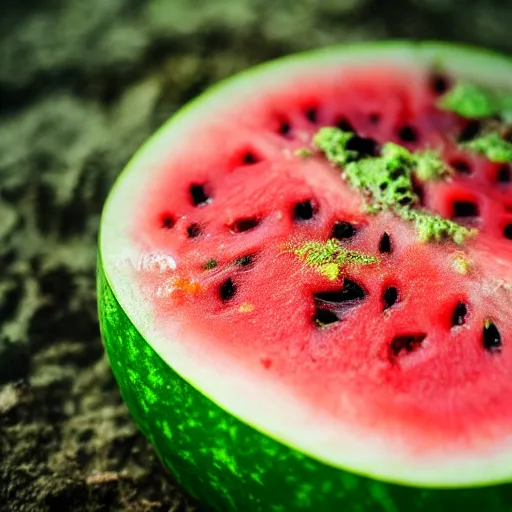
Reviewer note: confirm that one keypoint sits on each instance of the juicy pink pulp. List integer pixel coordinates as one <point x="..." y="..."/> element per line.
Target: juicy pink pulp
<point x="413" y="355"/>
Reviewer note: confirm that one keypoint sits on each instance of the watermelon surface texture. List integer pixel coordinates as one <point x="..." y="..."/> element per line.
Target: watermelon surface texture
<point x="305" y="284"/>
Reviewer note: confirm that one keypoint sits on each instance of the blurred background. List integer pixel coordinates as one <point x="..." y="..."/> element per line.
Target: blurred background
<point x="82" y="85"/>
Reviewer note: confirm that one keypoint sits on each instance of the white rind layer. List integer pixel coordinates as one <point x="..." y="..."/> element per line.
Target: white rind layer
<point x="262" y="404"/>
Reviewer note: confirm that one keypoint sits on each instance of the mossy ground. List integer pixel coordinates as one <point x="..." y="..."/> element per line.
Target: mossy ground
<point x="82" y="84"/>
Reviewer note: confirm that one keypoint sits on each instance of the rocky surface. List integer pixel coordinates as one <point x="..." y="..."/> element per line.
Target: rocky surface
<point x="82" y="84"/>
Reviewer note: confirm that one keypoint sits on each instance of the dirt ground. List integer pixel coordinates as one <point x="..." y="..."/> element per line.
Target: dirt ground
<point x="82" y="84"/>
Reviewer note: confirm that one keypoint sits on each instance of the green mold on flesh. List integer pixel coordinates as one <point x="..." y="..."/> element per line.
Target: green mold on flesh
<point x="428" y="166"/>
<point x="303" y="152"/>
<point x="246" y="444"/>
<point x="474" y="101"/>
<point x="471" y="101"/>
<point x="461" y="263"/>
<point x="233" y="467"/>
<point x="330" y="258"/>
<point x="387" y="182"/>
<point x="210" y="264"/>
<point x="333" y="142"/>
<point x="431" y="227"/>
<point x="492" y="146"/>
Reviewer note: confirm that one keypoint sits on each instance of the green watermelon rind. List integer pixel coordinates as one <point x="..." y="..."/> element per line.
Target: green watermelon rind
<point x="218" y="457"/>
<point x="231" y="466"/>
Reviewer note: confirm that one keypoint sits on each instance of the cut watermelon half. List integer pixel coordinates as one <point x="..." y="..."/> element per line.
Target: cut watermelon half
<point x="283" y="343"/>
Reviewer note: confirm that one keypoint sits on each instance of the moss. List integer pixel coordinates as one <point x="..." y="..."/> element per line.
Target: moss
<point x="429" y="166"/>
<point x="461" y="263"/>
<point x="493" y="146"/>
<point x="476" y="102"/>
<point x="333" y="142"/>
<point x="389" y="177"/>
<point x="210" y="264"/>
<point x="386" y="179"/>
<point x="387" y="182"/>
<point x="470" y="100"/>
<point x="329" y="258"/>
<point x="303" y="153"/>
<point x="330" y="270"/>
<point x="431" y="227"/>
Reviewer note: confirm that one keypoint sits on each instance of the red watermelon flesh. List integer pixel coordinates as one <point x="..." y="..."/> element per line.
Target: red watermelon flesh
<point x="414" y="346"/>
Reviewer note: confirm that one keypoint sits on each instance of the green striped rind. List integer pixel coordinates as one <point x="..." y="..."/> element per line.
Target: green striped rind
<point x="235" y="468"/>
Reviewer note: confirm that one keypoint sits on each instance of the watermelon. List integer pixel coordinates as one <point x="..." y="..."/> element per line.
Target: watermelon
<point x="305" y="284"/>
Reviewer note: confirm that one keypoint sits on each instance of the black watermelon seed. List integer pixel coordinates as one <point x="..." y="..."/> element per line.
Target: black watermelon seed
<point x="351" y="291"/>
<point x="504" y="174"/>
<point x="407" y="343"/>
<point x="465" y="209"/>
<point x="312" y="115"/>
<point x="439" y="83"/>
<point x="194" y="230"/>
<point x="227" y="290"/>
<point x="408" y="134"/>
<point x="285" y="128"/>
<point x="250" y="158"/>
<point x="343" y="230"/>
<point x="461" y="166"/>
<point x="507" y="231"/>
<point x="459" y="314"/>
<point x="345" y="125"/>
<point x="242" y="225"/>
<point x="385" y="243"/>
<point x="168" y="221"/>
<point x="245" y="261"/>
<point x="324" y="317"/>
<point x="418" y="189"/>
<point x="304" y="210"/>
<point x="390" y="297"/>
<point x="198" y="195"/>
<point x="364" y="146"/>
<point x="491" y="337"/>
<point x="470" y="131"/>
